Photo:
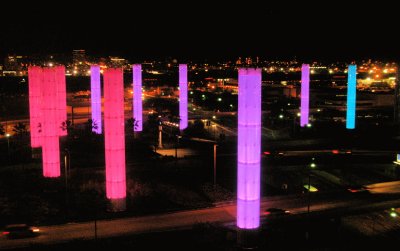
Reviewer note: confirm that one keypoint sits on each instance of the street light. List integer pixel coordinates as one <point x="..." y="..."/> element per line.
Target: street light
<point x="8" y="142"/>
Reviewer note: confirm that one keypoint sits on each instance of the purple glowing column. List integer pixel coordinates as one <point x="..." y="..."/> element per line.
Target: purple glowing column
<point x="95" y="94"/>
<point x="137" y="97"/>
<point x="249" y="149"/>
<point x="183" y="97"/>
<point x="305" y="94"/>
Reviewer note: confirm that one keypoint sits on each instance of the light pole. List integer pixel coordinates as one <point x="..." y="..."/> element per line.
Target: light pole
<point x="215" y="166"/>
<point x="312" y="166"/>
<point x="67" y="160"/>
<point x="8" y="143"/>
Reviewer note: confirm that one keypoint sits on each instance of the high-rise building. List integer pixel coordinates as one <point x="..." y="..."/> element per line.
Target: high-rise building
<point x="78" y="57"/>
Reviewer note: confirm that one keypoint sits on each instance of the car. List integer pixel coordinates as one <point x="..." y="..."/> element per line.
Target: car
<point x="20" y="231"/>
<point x="276" y="211"/>
<point x="357" y="189"/>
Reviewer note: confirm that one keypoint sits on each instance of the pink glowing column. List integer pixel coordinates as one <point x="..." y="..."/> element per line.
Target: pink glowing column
<point x="114" y="137"/>
<point x="35" y="97"/>
<point x="95" y="94"/>
<point x="183" y="97"/>
<point x="305" y="93"/>
<point x="249" y="149"/>
<point x="61" y="99"/>
<point x="137" y="98"/>
<point x="50" y="129"/>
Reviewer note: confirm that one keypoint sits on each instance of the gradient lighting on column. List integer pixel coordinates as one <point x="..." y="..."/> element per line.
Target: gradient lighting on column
<point x="61" y="99"/>
<point x="249" y="148"/>
<point x="114" y="133"/>
<point x="35" y="97"/>
<point x="137" y="97"/>
<point x="305" y="94"/>
<point x="50" y="129"/>
<point x="95" y="95"/>
<point x="351" y="97"/>
<point x="183" y="97"/>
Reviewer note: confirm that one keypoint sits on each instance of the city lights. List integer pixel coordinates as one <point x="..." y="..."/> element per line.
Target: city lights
<point x="249" y="149"/>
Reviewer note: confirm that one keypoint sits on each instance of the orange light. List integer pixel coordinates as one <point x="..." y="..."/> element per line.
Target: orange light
<point x="6" y="232"/>
<point x="267" y="153"/>
<point x="335" y="151"/>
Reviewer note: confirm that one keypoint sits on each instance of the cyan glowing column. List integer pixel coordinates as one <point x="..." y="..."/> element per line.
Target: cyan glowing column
<point x="305" y="94"/>
<point x="351" y="97"/>
<point x="137" y="97"/>
<point x="95" y="97"/>
<point x="35" y="97"/>
<point x="249" y="149"/>
<point x="50" y="128"/>
<point x="114" y="138"/>
<point x="183" y="97"/>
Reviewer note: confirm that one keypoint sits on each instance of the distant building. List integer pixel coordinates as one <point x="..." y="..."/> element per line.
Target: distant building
<point x="15" y="65"/>
<point x="117" y="62"/>
<point x="79" y="63"/>
<point x="78" y="57"/>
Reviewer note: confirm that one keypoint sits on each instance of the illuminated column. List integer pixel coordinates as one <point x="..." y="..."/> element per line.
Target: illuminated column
<point x="305" y="94"/>
<point x="114" y="138"/>
<point x="61" y="99"/>
<point x="34" y="80"/>
<point x="351" y="97"/>
<point x="183" y="97"/>
<point x="50" y="129"/>
<point x="95" y="95"/>
<point x="137" y="97"/>
<point x="249" y="149"/>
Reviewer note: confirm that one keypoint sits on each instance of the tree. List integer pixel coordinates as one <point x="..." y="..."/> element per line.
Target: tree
<point x="131" y="124"/>
<point x="20" y="129"/>
<point x="90" y="125"/>
<point x="2" y="131"/>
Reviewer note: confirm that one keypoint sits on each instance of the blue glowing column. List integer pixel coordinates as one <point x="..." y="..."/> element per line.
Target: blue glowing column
<point x="95" y="94"/>
<point x="183" y="97"/>
<point x="249" y="149"/>
<point x="305" y="95"/>
<point x="351" y="97"/>
<point x="137" y="98"/>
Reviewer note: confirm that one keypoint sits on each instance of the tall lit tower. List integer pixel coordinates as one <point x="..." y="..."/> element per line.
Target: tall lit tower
<point x="137" y="98"/>
<point x="95" y="96"/>
<point x="50" y="118"/>
<point x="351" y="97"/>
<point x="35" y="98"/>
<point x="114" y="138"/>
<point x="305" y="95"/>
<point x="183" y="97"/>
<point x="249" y="150"/>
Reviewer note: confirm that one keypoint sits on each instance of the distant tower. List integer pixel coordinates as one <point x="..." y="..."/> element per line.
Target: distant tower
<point x="183" y="97"/>
<point x="95" y="97"/>
<point x="137" y="97"/>
<point x="351" y="97"/>
<point x="305" y="95"/>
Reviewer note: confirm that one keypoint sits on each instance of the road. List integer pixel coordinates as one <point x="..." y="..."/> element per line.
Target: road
<point x="343" y="203"/>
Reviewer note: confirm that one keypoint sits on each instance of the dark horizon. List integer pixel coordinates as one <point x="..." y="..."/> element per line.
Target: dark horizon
<point x="308" y="32"/>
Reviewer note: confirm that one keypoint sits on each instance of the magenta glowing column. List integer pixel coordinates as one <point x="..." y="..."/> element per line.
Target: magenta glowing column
<point x="305" y="94"/>
<point x="183" y="97"/>
<point x="35" y="97"/>
<point x="137" y="98"/>
<point x="61" y="99"/>
<point x="249" y="149"/>
<point x="50" y="129"/>
<point x="95" y="94"/>
<point x="114" y="135"/>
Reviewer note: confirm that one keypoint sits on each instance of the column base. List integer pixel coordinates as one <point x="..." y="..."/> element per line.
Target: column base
<point x="247" y="239"/>
<point x="117" y="205"/>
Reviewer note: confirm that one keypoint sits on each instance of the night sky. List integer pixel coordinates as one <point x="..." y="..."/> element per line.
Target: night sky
<point x="326" y="31"/>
